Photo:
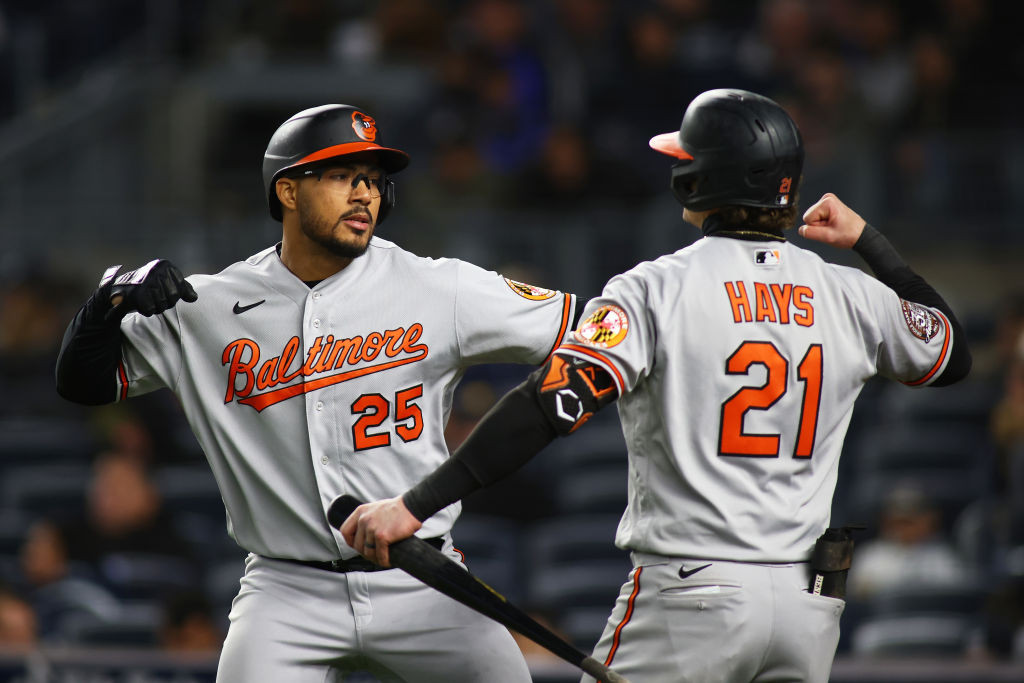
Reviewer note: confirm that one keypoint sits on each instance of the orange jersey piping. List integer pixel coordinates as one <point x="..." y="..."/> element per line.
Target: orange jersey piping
<point x="566" y="310"/>
<point x="621" y="385"/>
<point x="122" y="378"/>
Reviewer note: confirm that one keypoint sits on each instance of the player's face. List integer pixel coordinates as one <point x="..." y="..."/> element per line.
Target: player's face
<point x="337" y="207"/>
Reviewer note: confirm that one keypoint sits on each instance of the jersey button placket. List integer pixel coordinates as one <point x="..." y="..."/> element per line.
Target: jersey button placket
<point x="318" y="405"/>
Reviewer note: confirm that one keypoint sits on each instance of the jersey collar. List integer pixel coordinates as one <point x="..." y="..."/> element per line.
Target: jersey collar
<point x="713" y="227"/>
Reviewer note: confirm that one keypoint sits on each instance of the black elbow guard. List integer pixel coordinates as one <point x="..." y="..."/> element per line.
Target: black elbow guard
<point x="570" y="390"/>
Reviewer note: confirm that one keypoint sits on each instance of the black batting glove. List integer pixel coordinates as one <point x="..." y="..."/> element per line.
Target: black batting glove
<point x="151" y="289"/>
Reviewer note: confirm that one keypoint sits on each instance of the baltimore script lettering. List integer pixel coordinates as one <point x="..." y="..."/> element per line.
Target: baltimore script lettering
<point x="325" y="355"/>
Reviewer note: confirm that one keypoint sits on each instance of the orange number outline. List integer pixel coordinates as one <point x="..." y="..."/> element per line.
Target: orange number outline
<point x="810" y="373"/>
<point x="732" y="439"/>
<point x="404" y="410"/>
<point x="373" y="410"/>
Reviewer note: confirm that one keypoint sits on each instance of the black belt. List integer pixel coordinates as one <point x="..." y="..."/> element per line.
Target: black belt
<point x="353" y="564"/>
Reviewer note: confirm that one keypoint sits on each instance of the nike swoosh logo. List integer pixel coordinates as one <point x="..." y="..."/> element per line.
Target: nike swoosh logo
<point x="687" y="573"/>
<point x="239" y="308"/>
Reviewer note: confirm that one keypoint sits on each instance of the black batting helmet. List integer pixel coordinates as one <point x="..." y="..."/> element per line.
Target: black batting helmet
<point x="734" y="147"/>
<point x="327" y="132"/>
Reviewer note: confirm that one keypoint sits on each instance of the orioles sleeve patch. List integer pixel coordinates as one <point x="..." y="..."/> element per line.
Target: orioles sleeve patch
<point x="529" y="291"/>
<point x="922" y="323"/>
<point x="606" y="327"/>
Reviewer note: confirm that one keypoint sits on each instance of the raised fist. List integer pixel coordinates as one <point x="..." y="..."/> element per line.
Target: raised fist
<point x="151" y="289"/>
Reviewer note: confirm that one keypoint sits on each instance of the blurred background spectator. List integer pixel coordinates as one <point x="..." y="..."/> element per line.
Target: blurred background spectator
<point x="18" y="627"/>
<point x="189" y="625"/>
<point x="911" y="549"/>
<point x="132" y="130"/>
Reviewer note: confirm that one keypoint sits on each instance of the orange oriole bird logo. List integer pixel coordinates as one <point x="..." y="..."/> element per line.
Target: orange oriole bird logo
<point x="364" y="126"/>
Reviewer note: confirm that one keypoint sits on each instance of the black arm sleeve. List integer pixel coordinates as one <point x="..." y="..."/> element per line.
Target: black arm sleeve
<point x="89" y="354"/>
<point x="510" y="434"/>
<point x="893" y="271"/>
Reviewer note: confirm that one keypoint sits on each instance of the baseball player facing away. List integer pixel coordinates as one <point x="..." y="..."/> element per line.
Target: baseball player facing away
<point x="320" y="366"/>
<point x="736" y="362"/>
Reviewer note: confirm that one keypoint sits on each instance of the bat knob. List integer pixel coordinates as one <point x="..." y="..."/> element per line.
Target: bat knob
<point x="340" y="508"/>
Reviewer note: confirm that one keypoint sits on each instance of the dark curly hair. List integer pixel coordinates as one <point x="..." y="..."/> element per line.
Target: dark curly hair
<point x="766" y="220"/>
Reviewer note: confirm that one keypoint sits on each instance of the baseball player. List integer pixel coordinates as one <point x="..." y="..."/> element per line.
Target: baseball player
<point x="735" y="362"/>
<point x="320" y="366"/>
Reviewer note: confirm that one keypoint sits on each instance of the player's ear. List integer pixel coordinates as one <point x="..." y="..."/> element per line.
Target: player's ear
<point x="287" y="190"/>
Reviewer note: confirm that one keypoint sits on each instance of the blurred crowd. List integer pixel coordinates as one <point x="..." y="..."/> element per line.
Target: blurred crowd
<point x="108" y="516"/>
<point x="550" y="104"/>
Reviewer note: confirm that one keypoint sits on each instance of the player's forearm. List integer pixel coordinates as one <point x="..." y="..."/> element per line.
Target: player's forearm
<point x="89" y="355"/>
<point x="890" y="268"/>
<point x="511" y="433"/>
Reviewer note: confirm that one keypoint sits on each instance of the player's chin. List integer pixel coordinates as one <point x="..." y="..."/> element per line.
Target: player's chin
<point x="349" y="246"/>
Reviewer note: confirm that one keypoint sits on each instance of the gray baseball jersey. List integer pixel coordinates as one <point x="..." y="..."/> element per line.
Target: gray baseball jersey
<point x="737" y="365"/>
<point x="299" y="394"/>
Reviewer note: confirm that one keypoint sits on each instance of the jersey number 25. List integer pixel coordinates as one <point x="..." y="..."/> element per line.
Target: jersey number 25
<point x="733" y="440"/>
<point x="373" y="409"/>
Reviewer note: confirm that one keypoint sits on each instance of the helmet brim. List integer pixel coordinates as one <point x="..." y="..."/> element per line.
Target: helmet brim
<point x="391" y="160"/>
<point x="668" y="143"/>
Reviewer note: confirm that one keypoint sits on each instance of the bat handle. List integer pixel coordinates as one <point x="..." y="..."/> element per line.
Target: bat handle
<point x="601" y="672"/>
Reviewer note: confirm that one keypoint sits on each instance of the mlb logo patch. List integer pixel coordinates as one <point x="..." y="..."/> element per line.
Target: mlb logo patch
<point x="767" y="257"/>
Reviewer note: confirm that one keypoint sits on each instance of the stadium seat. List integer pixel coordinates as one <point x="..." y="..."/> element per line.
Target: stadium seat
<point x="221" y="583"/>
<point x="918" y="620"/>
<point x="13" y="526"/>
<point x="975" y="536"/>
<point x="580" y="596"/>
<point x="51" y="491"/>
<point x="64" y="599"/>
<point x="208" y="537"/>
<point x="950" y="463"/>
<point x="491" y="546"/>
<point x="145" y="576"/>
<point x="591" y="469"/>
<point x="44" y="440"/>
<point x="576" y="573"/>
<point x="933" y="635"/>
<point x="190" y="488"/>
<point x="133" y="625"/>
<point x="969" y="404"/>
<point x="594" y="490"/>
<point x="964" y="600"/>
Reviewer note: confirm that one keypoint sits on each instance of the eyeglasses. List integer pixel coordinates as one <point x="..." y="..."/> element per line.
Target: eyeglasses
<point x="347" y="179"/>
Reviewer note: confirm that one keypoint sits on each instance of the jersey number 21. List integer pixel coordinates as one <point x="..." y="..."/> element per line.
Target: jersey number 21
<point x="733" y="440"/>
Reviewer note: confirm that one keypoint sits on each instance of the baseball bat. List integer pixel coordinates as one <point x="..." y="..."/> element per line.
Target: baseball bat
<point x="428" y="564"/>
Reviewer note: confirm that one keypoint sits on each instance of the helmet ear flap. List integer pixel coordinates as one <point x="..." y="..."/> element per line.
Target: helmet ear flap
<point x="683" y="182"/>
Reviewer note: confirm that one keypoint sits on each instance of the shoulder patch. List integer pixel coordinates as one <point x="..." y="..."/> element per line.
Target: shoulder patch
<point x="606" y="327"/>
<point x="529" y="291"/>
<point x="922" y="323"/>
